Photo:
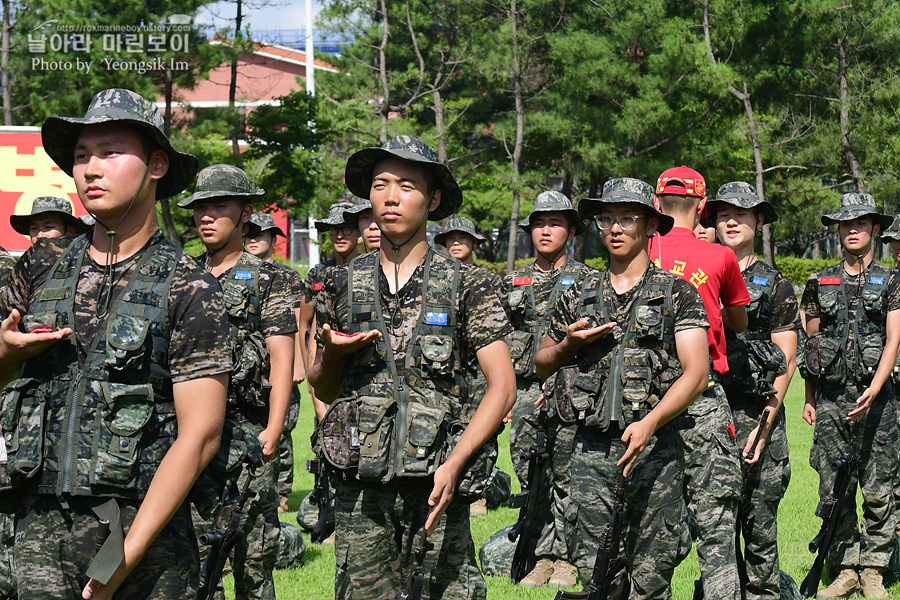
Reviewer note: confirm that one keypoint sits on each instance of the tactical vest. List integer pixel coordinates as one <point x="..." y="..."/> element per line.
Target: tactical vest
<point x="754" y="361"/>
<point x="398" y="420"/>
<point x="531" y="327"/>
<point x="101" y="428"/>
<point x="838" y="360"/>
<point x="249" y="386"/>
<point x="622" y="382"/>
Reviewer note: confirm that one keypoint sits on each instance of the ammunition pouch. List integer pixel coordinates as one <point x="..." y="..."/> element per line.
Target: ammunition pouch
<point x="22" y="427"/>
<point x="764" y="362"/>
<point x="521" y="351"/>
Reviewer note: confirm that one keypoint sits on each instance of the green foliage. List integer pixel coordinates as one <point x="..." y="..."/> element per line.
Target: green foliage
<point x="797" y="270"/>
<point x="599" y="263"/>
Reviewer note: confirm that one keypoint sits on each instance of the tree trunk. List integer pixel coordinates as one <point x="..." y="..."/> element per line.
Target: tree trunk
<point x="852" y="163"/>
<point x="232" y="87"/>
<point x="384" y="106"/>
<point x="520" y="134"/>
<point x="439" y="127"/>
<point x="4" y="66"/>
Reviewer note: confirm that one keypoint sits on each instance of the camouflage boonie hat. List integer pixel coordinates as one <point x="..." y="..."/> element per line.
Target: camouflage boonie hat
<point x="742" y="195"/>
<point x="357" y="207"/>
<point x="223" y="182"/>
<point x="462" y="225"/>
<point x="337" y="215"/>
<point x="87" y="223"/>
<point x="260" y="222"/>
<point x="892" y="233"/>
<point x="552" y="201"/>
<point x="59" y="135"/>
<point x="627" y="190"/>
<point x="43" y="205"/>
<point x="358" y="173"/>
<point x="855" y="205"/>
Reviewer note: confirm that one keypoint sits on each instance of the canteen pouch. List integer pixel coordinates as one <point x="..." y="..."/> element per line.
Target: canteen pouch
<point x="22" y="422"/>
<point x="425" y="439"/>
<point x="375" y="423"/>
<point x="126" y="411"/>
<point x="831" y="358"/>
<point x="870" y="349"/>
<point x="521" y="351"/>
<point x="588" y="395"/>
<point x="126" y="347"/>
<point x="338" y="434"/>
<point x="808" y="356"/>
<point x="558" y="392"/>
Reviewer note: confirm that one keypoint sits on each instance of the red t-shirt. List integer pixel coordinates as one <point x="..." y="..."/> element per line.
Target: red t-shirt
<point x="713" y="270"/>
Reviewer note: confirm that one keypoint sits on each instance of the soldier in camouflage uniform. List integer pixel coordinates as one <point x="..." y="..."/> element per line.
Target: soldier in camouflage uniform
<point x="891" y="235"/>
<point x="774" y="320"/>
<point x="390" y="364"/>
<point x="852" y="313"/>
<point x="121" y="403"/>
<point x="262" y="327"/>
<point x="636" y="337"/>
<point x="7" y="524"/>
<point x="50" y="217"/>
<point x="459" y="238"/>
<point x="369" y="232"/>
<point x="712" y="464"/>
<point x="260" y="242"/>
<point x="526" y="294"/>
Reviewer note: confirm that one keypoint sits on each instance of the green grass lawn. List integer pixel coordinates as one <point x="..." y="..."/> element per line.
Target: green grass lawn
<point x="797" y="523"/>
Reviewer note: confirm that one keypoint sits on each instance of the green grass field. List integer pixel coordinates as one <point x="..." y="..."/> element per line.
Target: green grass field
<point x="797" y="523"/>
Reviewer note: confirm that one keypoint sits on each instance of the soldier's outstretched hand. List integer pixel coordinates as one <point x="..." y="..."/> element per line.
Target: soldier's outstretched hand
<point x="635" y="439"/>
<point x="579" y="334"/>
<point x="344" y="344"/>
<point x="16" y="346"/>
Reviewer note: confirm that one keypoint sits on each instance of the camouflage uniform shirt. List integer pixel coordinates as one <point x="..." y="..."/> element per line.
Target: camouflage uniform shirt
<point x="686" y="302"/>
<point x="481" y="319"/>
<point x="317" y="274"/>
<point x="199" y="345"/>
<point x="296" y="284"/>
<point x="7" y="264"/>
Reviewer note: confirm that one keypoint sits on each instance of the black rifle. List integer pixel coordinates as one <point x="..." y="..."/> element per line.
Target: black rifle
<point x="321" y="495"/>
<point x="416" y="580"/>
<point x="829" y="511"/>
<point x="526" y="501"/>
<point x="743" y="508"/>
<point x="610" y="555"/>
<point x="221" y="541"/>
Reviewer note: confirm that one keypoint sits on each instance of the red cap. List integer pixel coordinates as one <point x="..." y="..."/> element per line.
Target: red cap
<point x="683" y="181"/>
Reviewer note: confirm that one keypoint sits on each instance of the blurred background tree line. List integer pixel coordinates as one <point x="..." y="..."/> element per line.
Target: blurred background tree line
<point x="800" y="98"/>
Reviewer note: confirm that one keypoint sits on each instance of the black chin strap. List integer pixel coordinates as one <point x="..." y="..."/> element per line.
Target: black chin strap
<point x="395" y="248"/>
<point x="104" y="296"/>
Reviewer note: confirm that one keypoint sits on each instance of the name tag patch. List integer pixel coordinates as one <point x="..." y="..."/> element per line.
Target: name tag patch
<point x="318" y="286"/>
<point x="830" y="281"/>
<point x="435" y="318"/>
<point x="522" y="280"/>
<point x="567" y="280"/>
<point x="760" y="281"/>
<point x="243" y="275"/>
<point x="876" y="280"/>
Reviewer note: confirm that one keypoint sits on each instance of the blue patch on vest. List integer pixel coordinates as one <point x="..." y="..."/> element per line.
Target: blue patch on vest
<point x="243" y="275"/>
<point x="567" y="280"/>
<point x="876" y="280"/>
<point x="435" y="318"/>
<point x="760" y="281"/>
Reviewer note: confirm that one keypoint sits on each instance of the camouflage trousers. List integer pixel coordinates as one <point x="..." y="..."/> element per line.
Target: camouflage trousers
<point x="253" y="558"/>
<point x="7" y="565"/>
<point x="555" y="538"/>
<point x="876" y="439"/>
<point x="286" y="445"/>
<point x="656" y="533"/>
<point x="712" y="481"/>
<point x="766" y="483"/>
<point x="377" y="527"/>
<point x="55" y="545"/>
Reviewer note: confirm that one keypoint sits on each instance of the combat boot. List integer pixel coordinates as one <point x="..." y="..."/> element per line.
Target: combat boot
<point x="564" y="575"/>
<point x="844" y="586"/>
<point x="872" y="586"/>
<point x="540" y="574"/>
